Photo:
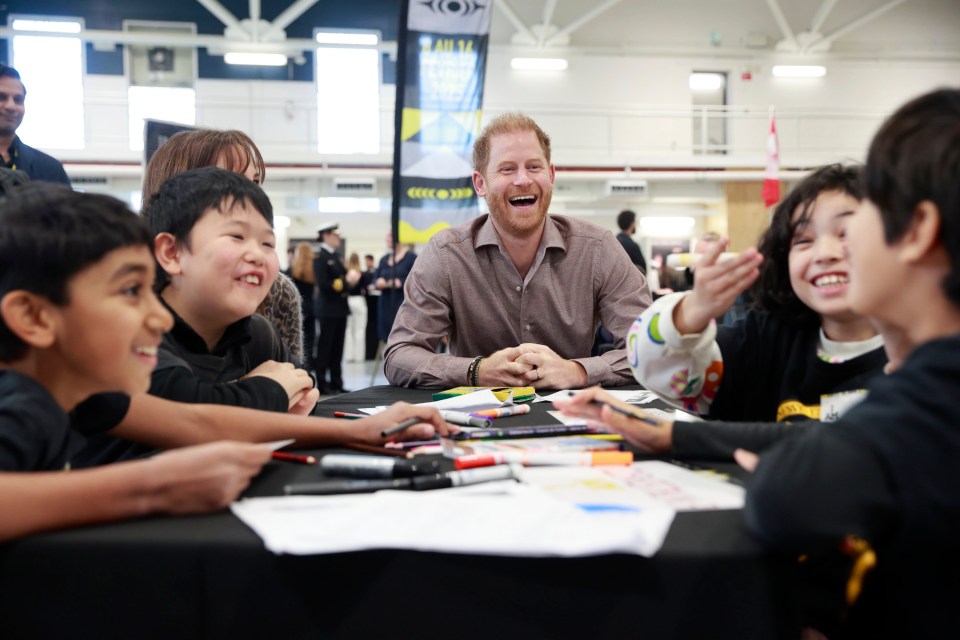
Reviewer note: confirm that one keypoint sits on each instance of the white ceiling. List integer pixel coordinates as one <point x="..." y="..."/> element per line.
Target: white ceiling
<point x="910" y="27"/>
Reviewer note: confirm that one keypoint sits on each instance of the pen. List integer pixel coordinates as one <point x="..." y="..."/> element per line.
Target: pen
<point x="626" y="412"/>
<point x="384" y="451"/>
<point x="578" y="458"/>
<point x="344" y="486"/>
<point x="294" y="457"/>
<point x="466" y="420"/>
<point x="348" y="416"/>
<point x="400" y="426"/>
<point x="503" y="412"/>
<point x="621" y="411"/>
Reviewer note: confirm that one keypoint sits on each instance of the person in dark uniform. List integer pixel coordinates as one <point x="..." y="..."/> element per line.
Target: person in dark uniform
<point x="330" y="273"/>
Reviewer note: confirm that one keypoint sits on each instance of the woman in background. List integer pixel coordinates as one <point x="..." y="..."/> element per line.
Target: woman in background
<point x="301" y="272"/>
<point x="235" y="151"/>
<point x="357" y="320"/>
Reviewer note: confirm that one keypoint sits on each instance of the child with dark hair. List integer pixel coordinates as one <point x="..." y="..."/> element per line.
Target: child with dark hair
<point x="804" y="354"/>
<point x="78" y="317"/>
<point x="878" y="486"/>
<point x="215" y="245"/>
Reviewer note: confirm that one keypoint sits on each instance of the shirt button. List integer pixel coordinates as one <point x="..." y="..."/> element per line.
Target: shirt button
<point x="527" y="327"/>
<point x="519" y="288"/>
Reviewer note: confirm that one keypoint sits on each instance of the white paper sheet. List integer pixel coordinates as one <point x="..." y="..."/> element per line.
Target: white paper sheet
<point x="644" y="485"/>
<point x="466" y="403"/>
<point x="518" y="521"/>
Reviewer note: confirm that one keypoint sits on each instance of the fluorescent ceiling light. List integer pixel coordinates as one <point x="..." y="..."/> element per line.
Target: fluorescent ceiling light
<point x="281" y="222"/>
<point x="52" y="26"/>
<point x="706" y="81"/>
<point x="339" y="37"/>
<point x="799" y="71"/>
<point x="667" y="225"/>
<point x="258" y="59"/>
<point x="539" y="64"/>
<point x="338" y="204"/>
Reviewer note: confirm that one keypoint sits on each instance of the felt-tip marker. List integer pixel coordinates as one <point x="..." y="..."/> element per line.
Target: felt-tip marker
<point x="463" y="478"/>
<point x="293" y="457"/>
<point x="503" y="412"/>
<point x="338" y="464"/>
<point x="578" y="458"/>
<point x="466" y="419"/>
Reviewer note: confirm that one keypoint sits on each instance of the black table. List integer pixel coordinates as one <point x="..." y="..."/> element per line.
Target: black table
<point x="210" y="577"/>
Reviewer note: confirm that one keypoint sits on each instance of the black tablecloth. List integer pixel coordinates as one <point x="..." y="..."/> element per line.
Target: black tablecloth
<point x="210" y="577"/>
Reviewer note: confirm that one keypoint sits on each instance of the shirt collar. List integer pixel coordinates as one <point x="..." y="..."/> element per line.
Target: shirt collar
<point x="551" y="238"/>
<point x="324" y="245"/>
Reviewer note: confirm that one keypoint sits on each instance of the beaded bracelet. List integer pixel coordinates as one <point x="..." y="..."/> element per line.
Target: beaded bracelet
<point x="473" y="372"/>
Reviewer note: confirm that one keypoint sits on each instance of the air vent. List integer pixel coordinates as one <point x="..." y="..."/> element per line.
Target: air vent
<point x="632" y="188"/>
<point x="355" y="185"/>
<point x="89" y="180"/>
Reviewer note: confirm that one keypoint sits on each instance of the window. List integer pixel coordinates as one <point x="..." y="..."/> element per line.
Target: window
<point x="51" y="68"/>
<point x="170" y="104"/>
<point x="348" y="95"/>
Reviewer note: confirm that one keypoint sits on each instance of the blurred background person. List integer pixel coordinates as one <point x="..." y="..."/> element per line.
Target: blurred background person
<point x="391" y="274"/>
<point x="372" y="297"/>
<point x="332" y="292"/>
<point x="355" y="347"/>
<point x="627" y="221"/>
<point x="301" y="272"/>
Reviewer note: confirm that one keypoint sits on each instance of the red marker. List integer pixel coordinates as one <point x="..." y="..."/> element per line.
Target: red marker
<point x="294" y="457"/>
<point x="348" y="416"/>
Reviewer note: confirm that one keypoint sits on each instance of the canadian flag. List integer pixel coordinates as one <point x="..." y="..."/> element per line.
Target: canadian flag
<point x="771" y="178"/>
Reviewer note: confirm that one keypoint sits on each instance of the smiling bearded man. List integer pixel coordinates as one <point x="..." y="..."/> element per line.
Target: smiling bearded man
<point x="518" y="293"/>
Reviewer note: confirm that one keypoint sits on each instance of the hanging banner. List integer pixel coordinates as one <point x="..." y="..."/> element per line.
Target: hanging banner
<point x="441" y="62"/>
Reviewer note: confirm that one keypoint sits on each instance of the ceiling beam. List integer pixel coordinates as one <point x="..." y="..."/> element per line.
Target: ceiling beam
<point x="821" y="15"/>
<point x="548" y="9"/>
<point x="854" y="24"/>
<point x="582" y="20"/>
<point x="781" y="20"/>
<point x="514" y="19"/>
<point x="224" y="16"/>
<point x="287" y="17"/>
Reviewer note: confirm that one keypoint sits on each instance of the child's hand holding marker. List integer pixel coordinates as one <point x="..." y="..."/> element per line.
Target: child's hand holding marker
<point x="639" y="428"/>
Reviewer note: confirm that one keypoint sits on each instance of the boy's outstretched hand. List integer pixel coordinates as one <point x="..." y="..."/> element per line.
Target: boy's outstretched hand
<point x="716" y="285"/>
<point x="595" y="405"/>
<point x="203" y="477"/>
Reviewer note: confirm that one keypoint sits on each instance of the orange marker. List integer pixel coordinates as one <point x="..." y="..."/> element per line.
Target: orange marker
<point x="503" y="412"/>
<point x="572" y="459"/>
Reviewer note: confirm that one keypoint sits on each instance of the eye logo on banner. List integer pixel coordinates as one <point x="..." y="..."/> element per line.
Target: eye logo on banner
<point x="454" y="7"/>
<point x="441" y="67"/>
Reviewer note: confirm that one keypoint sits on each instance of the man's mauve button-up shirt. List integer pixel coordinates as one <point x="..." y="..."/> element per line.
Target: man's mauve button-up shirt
<point x="465" y="287"/>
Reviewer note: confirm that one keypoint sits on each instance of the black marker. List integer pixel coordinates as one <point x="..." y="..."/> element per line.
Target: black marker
<point x="344" y="486"/>
<point x="523" y="432"/>
<point x="339" y="464"/>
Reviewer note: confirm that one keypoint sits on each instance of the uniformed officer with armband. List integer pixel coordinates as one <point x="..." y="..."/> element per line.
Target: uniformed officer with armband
<point x="332" y="286"/>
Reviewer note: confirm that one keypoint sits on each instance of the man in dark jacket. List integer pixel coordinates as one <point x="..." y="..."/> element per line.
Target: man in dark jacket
<point x="627" y="221"/>
<point x="15" y="154"/>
